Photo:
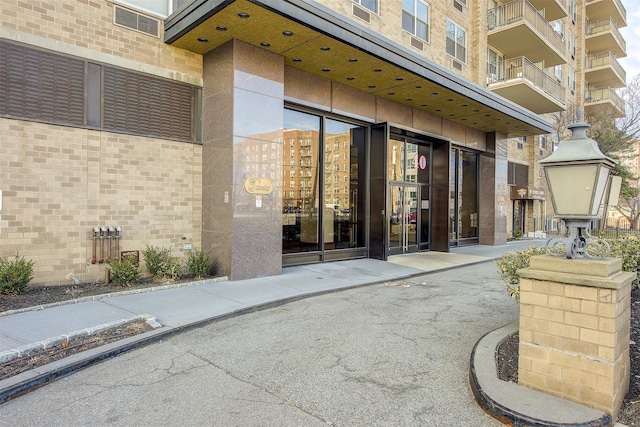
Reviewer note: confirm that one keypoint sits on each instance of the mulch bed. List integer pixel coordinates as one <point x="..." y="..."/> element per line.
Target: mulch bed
<point x="507" y="362"/>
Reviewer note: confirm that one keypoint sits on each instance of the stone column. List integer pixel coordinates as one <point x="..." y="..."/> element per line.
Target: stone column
<point x="243" y="115"/>
<point x="494" y="194"/>
<point x="574" y="330"/>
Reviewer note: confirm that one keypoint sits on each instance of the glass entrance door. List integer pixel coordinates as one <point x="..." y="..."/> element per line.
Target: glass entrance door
<point x="403" y="219"/>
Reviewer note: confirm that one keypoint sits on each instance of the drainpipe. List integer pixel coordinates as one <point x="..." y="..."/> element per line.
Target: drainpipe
<point x="96" y="232"/>
<point x="118" y="230"/>
<point x="103" y="231"/>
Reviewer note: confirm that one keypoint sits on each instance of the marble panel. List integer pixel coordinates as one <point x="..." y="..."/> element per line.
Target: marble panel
<point x="389" y="111"/>
<point x="475" y="139"/>
<point x="219" y="244"/>
<point x="255" y="115"/>
<point x="454" y="131"/>
<point x="307" y="89"/>
<point x="352" y="102"/>
<point x="256" y="253"/>
<point x="427" y="122"/>
<point x="258" y="70"/>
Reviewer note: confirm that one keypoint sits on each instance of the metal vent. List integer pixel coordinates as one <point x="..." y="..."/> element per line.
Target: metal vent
<point x="135" y="21"/>
<point x="417" y="43"/>
<point x="457" y="5"/>
<point x="456" y="64"/>
<point x="361" y="13"/>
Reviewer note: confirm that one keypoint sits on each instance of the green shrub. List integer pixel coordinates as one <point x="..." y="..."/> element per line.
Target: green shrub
<point x="511" y="262"/>
<point x="160" y="264"/>
<point x="628" y="249"/>
<point x="124" y="272"/>
<point x="15" y="275"/>
<point x="517" y="234"/>
<point x="198" y="263"/>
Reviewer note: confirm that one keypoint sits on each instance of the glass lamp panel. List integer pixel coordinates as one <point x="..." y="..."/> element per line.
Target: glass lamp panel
<point x="572" y="188"/>
<point x="600" y="186"/>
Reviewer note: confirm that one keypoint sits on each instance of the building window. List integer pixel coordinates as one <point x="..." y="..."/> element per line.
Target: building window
<point x="517" y="174"/>
<point x="571" y="78"/>
<point x="372" y="5"/>
<point x="415" y="18"/>
<point x="456" y="41"/>
<point x="557" y="71"/>
<point x="572" y="44"/>
<point x="162" y="8"/>
<point x="558" y="27"/>
<point x="573" y="11"/>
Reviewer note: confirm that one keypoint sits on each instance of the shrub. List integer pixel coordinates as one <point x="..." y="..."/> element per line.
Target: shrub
<point x="511" y="262"/>
<point x="198" y="263"/>
<point x="517" y="234"/>
<point x="628" y="249"/>
<point x="15" y="275"/>
<point x="160" y="264"/>
<point x="124" y="272"/>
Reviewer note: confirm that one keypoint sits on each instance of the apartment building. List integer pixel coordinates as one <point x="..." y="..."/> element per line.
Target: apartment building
<point x="282" y="132"/>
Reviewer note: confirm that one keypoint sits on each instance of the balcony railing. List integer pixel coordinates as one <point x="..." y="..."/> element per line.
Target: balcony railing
<point x="605" y="25"/>
<point x="522" y="68"/>
<point x="604" y="94"/>
<point x="620" y="6"/>
<point x="523" y="11"/>
<point x="606" y="58"/>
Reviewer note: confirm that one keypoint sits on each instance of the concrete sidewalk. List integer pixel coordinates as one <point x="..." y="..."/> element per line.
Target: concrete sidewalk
<point x="187" y="306"/>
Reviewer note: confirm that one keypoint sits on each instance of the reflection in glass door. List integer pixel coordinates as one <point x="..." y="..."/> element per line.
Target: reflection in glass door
<point x="403" y="219"/>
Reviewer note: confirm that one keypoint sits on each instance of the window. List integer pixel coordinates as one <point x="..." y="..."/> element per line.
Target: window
<point x="415" y="18"/>
<point x="162" y="8"/>
<point x="571" y="78"/>
<point x="517" y="174"/>
<point x="456" y="41"/>
<point x="543" y="142"/>
<point x="573" y="11"/>
<point x="557" y="71"/>
<point x="572" y="44"/>
<point x="558" y="27"/>
<point x="372" y="5"/>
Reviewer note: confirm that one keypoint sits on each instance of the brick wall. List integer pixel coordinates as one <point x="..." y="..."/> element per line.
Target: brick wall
<point x="574" y="330"/>
<point x="59" y="182"/>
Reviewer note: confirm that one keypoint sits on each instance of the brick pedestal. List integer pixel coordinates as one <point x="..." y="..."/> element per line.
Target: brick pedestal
<point x="574" y="330"/>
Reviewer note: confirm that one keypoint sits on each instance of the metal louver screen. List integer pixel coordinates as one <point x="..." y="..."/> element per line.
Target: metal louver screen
<point x="145" y="105"/>
<point x="41" y="86"/>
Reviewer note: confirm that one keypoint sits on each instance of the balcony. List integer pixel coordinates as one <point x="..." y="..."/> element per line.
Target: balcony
<point x="521" y="81"/>
<point x="603" y="35"/>
<point x="518" y="29"/>
<point x="604" y="99"/>
<point x="553" y="9"/>
<point x="603" y="69"/>
<point x="597" y="9"/>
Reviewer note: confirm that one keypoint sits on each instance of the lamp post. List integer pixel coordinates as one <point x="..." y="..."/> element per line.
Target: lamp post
<point x="578" y="177"/>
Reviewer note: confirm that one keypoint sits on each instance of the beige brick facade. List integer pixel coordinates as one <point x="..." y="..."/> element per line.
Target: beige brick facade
<point x="55" y="194"/>
<point x="574" y="330"/>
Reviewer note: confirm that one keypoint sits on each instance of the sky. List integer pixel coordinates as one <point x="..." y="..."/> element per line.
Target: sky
<point x="631" y="34"/>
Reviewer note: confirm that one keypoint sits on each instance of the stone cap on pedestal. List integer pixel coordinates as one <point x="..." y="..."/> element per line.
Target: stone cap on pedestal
<point x="599" y="273"/>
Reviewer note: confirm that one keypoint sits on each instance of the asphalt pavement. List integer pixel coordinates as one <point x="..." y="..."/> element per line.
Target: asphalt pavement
<point x="392" y="347"/>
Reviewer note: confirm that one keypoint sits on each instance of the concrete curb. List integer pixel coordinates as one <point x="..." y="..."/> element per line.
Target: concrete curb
<point x="516" y="405"/>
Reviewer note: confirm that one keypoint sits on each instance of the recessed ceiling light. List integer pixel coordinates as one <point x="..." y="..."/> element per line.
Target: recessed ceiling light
<point x="297" y="60"/>
<point x="325" y="48"/>
<point x="377" y="70"/>
<point x="202" y="39"/>
<point x="476" y="111"/>
<point x="424" y="105"/>
<point x="391" y="93"/>
<point x="351" y="78"/>
<point x="434" y="93"/>
<point x="399" y="79"/>
<point x="451" y="115"/>
<point x="326" y="70"/>
<point x="372" y="86"/>
<point x="463" y="119"/>
<point x="353" y="59"/>
<point x="449" y="99"/>
<point x="418" y="87"/>
<point x="487" y="115"/>
<point x="287" y="33"/>
<point x="463" y="105"/>
<point x="438" y="110"/>
<point x="243" y="15"/>
<point x="221" y="28"/>
<point x="408" y="99"/>
<point x="265" y="44"/>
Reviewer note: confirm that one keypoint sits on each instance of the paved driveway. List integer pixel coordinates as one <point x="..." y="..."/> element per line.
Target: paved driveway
<point x="393" y="354"/>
